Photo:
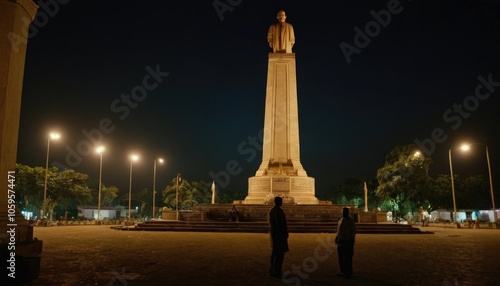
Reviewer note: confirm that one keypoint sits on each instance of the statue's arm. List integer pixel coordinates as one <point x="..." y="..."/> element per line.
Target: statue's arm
<point x="292" y="35"/>
<point x="270" y="34"/>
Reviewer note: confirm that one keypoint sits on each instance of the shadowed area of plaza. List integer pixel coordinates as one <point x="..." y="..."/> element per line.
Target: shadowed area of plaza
<point x="99" y="255"/>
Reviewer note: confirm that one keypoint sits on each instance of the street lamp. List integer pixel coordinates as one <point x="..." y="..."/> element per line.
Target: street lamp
<point x="457" y="225"/>
<point x="154" y="184"/>
<point x="99" y="150"/>
<point x="466" y="147"/>
<point x="54" y="136"/>
<point x="132" y="159"/>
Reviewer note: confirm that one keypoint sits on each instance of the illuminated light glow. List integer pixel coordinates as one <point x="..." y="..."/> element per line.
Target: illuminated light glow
<point x="100" y="149"/>
<point x="465" y="147"/>
<point x="134" y="157"/>
<point x="55" y="136"/>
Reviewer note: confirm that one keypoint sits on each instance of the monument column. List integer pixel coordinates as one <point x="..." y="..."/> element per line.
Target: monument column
<point x="15" y="18"/>
<point x="281" y="173"/>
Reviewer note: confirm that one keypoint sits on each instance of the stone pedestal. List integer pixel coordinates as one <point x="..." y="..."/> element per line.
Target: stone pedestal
<point x="281" y="173"/>
<point x="293" y="189"/>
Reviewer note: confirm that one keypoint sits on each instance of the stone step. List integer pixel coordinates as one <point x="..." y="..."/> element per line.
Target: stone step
<point x="262" y="227"/>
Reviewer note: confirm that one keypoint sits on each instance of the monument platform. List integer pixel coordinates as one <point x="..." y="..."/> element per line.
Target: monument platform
<point x="258" y="212"/>
<point x="253" y="219"/>
<point x="263" y="227"/>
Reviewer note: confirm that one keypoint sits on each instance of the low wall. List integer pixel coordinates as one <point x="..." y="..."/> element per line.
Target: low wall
<point x="247" y="212"/>
<point x="184" y="215"/>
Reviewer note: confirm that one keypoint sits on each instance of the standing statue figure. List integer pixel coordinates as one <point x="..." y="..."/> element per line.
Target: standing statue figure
<point x="280" y="35"/>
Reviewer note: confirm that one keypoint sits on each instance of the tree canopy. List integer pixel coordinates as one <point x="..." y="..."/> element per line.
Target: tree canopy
<point x="404" y="177"/>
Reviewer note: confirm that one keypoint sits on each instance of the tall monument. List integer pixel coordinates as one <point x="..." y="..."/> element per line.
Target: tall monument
<point x="281" y="173"/>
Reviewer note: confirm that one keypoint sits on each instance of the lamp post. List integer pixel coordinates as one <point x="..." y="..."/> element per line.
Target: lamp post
<point x="54" y="136"/>
<point x="132" y="159"/>
<point x="491" y="189"/>
<point x="99" y="150"/>
<point x="466" y="147"/>
<point x="177" y="196"/>
<point x="154" y="185"/>
<point x="457" y="225"/>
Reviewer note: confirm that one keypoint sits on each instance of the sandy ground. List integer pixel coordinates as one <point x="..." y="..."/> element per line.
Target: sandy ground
<point x="98" y="255"/>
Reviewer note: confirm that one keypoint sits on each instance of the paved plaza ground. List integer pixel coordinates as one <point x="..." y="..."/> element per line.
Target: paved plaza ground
<point x="98" y="255"/>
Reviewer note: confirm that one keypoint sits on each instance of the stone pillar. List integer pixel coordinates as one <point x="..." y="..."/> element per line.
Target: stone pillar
<point x="281" y="172"/>
<point x="15" y="17"/>
<point x="281" y="120"/>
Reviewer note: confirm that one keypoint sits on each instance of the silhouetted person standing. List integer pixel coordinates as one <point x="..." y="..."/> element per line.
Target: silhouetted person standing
<point x="278" y="231"/>
<point x="346" y="234"/>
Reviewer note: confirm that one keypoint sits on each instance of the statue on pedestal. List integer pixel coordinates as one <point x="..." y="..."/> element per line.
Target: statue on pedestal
<point x="280" y="35"/>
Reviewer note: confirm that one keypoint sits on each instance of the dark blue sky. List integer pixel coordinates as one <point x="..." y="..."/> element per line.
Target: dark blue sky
<point x="402" y="83"/>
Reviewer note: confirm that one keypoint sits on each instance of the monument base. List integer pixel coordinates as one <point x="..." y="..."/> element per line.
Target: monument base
<point x="293" y="189"/>
<point x="323" y="212"/>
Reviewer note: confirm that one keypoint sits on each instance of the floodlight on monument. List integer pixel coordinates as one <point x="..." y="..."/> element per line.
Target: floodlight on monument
<point x="133" y="158"/>
<point x="466" y="147"/>
<point x="52" y="136"/>
<point x="160" y="160"/>
<point x="99" y="150"/>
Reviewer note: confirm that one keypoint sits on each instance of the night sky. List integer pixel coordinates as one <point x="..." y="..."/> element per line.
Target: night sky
<point x="204" y="73"/>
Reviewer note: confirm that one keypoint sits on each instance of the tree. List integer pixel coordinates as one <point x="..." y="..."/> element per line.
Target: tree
<point x="30" y="184"/>
<point x="190" y="194"/>
<point x="145" y="199"/>
<point x="202" y="193"/>
<point x="404" y="175"/>
<point x="184" y="196"/>
<point x="473" y="192"/>
<point x="228" y="196"/>
<point x="351" y="191"/>
<point x="65" y="189"/>
<point x="27" y="189"/>
<point x="108" y="195"/>
<point x="70" y="190"/>
<point x="440" y="196"/>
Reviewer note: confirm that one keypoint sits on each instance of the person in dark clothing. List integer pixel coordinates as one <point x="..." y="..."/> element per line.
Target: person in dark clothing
<point x="346" y="233"/>
<point x="278" y="231"/>
<point x="234" y="215"/>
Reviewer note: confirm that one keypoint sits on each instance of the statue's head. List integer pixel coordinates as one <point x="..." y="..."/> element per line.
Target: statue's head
<point x="281" y="16"/>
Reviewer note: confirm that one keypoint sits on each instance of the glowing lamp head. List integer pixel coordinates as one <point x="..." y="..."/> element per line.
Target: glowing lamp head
<point x="465" y="147"/>
<point x="55" y="136"/>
